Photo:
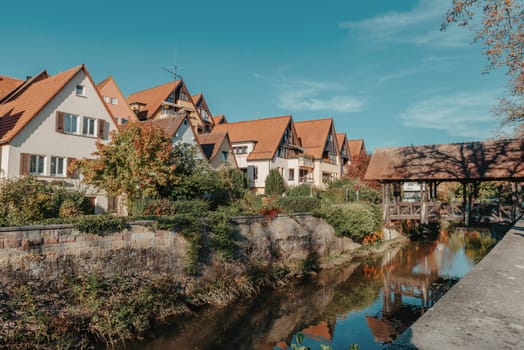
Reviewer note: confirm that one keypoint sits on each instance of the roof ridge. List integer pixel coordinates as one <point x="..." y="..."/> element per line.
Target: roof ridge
<point x="255" y="120"/>
<point x="156" y="87"/>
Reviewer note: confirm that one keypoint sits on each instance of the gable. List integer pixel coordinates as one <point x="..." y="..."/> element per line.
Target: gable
<point x="16" y="114"/>
<point x="115" y="101"/>
<point x="266" y="133"/>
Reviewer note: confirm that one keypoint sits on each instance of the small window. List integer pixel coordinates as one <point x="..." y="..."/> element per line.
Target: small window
<point x="57" y="166"/>
<point x="88" y="126"/>
<point x="291" y="176"/>
<point x="224" y="156"/>
<point x="80" y="90"/>
<point x="106" y="99"/>
<point x="114" y="101"/>
<point x="36" y="165"/>
<point x="123" y="121"/>
<point x="71" y="123"/>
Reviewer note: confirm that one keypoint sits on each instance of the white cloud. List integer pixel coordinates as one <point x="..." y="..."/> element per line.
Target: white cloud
<point x="461" y="114"/>
<point x="419" y="26"/>
<point x="308" y="95"/>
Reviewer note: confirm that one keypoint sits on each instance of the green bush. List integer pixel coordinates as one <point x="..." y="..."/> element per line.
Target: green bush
<point x="101" y="225"/>
<point x="222" y="233"/>
<point x="299" y="204"/>
<point x="274" y="184"/>
<point x="28" y="201"/>
<point x="195" y="207"/>
<point x="159" y="207"/>
<point x="354" y="220"/>
<point x="301" y="190"/>
<point x="345" y="190"/>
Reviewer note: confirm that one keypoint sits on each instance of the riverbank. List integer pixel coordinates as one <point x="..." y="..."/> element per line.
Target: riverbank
<point x="66" y="288"/>
<point x="483" y="310"/>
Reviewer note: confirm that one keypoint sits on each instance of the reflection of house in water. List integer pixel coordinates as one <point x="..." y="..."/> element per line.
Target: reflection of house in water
<point x="408" y="274"/>
<point x="321" y="332"/>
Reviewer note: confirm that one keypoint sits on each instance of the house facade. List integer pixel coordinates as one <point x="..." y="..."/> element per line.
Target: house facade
<point x="49" y="122"/>
<point x="179" y="130"/>
<point x="167" y="100"/>
<point x="203" y="109"/>
<point x="345" y="155"/>
<point x="218" y="150"/>
<point x="116" y="102"/>
<point x="319" y="139"/>
<point x="264" y="144"/>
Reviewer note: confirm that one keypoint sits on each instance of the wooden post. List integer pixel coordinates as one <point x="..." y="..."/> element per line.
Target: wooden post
<point x="385" y="201"/>
<point x="519" y="199"/>
<point x="467" y="208"/>
<point x="423" y="205"/>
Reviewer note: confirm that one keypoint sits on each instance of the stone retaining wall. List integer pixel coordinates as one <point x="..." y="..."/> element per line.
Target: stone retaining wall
<point x="46" y="252"/>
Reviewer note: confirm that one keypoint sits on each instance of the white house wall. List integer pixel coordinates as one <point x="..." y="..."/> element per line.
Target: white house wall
<point x="40" y="137"/>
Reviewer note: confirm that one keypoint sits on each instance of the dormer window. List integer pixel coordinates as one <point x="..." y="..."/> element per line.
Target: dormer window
<point x="114" y="101"/>
<point x="106" y="99"/>
<point x="80" y="90"/>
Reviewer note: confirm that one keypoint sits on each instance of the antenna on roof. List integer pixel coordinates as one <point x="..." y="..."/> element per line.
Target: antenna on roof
<point x="173" y="72"/>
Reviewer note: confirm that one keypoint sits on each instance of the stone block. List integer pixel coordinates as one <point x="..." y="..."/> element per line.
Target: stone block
<point x="50" y="239"/>
<point x="66" y="237"/>
<point x="12" y="243"/>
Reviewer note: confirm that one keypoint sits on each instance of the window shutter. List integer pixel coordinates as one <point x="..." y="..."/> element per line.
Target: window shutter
<point x="106" y="131"/>
<point x="60" y="121"/>
<point x="70" y="168"/>
<point x="101" y="128"/>
<point x="25" y="161"/>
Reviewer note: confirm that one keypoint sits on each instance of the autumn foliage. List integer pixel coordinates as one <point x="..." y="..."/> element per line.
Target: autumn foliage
<point x="138" y="162"/>
<point x="500" y="29"/>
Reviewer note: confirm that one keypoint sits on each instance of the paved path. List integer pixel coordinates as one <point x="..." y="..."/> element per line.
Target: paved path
<point x="484" y="310"/>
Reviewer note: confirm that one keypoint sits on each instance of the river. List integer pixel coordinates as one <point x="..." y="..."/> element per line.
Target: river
<point x="369" y="302"/>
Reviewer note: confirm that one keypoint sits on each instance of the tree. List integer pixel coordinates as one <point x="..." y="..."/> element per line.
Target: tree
<point x="138" y="161"/>
<point x="502" y="35"/>
<point x="194" y="179"/>
<point x="274" y="183"/>
<point x="357" y="170"/>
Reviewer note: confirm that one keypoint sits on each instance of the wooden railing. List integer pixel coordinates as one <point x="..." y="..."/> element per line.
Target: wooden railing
<point x="452" y="211"/>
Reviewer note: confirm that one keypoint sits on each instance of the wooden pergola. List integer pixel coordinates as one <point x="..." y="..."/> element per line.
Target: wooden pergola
<point x="468" y="163"/>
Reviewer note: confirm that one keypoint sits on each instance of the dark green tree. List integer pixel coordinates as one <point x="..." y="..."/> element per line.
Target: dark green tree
<point x="274" y="183"/>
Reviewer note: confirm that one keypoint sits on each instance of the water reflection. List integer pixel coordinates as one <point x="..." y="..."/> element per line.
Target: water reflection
<point x="368" y="303"/>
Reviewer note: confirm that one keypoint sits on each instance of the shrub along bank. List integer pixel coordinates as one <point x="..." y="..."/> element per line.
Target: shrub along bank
<point x="78" y="311"/>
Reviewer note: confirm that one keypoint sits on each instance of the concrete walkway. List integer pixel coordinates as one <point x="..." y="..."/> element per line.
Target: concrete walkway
<point x="484" y="310"/>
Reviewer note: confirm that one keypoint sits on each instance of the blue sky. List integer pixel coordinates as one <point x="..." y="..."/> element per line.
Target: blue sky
<point x="382" y="69"/>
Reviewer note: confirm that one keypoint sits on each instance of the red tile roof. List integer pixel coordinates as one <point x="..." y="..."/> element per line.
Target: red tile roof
<point x="219" y="119"/>
<point x="196" y="98"/>
<point x="169" y="124"/>
<point x="314" y="134"/>
<point x="211" y="143"/>
<point x="489" y="160"/>
<point x="356" y="147"/>
<point x="8" y="84"/>
<point x="152" y="98"/>
<point x="266" y="133"/>
<point x="16" y="114"/>
<point x="109" y="87"/>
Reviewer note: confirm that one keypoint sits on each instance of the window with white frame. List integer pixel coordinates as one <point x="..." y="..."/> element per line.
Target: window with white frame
<point x="37" y="165"/>
<point x="71" y="123"/>
<point x="291" y="176"/>
<point x="57" y="166"/>
<point x="88" y="126"/>
<point x="80" y="90"/>
<point x="114" y="100"/>
<point x="106" y="99"/>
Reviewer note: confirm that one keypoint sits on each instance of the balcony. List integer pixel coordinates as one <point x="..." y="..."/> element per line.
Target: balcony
<point x="306" y="162"/>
